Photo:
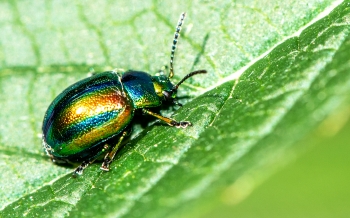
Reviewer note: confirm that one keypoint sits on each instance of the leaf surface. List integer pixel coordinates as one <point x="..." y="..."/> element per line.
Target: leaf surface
<point x="293" y="73"/>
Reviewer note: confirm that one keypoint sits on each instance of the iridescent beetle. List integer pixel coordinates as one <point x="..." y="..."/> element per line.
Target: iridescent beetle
<point x="84" y="116"/>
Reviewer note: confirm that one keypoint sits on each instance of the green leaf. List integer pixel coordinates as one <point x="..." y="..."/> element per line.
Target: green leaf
<point x="293" y="73"/>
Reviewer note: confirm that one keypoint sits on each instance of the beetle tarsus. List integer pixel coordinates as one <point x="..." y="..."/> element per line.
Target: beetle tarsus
<point x="105" y="165"/>
<point x="79" y="170"/>
<point x="183" y="124"/>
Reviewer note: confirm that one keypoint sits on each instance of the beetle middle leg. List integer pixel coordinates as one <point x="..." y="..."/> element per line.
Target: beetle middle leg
<point x="79" y="170"/>
<point x="110" y="155"/>
<point x="169" y="121"/>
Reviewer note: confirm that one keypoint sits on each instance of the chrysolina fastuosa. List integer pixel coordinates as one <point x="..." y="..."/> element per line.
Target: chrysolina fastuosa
<point x="88" y="113"/>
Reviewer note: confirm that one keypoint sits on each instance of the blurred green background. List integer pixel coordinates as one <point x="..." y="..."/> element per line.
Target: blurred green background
<point x="314" y="184"/>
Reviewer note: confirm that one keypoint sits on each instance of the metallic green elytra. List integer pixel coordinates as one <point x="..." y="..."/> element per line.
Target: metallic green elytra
<point x="82" y="119"/>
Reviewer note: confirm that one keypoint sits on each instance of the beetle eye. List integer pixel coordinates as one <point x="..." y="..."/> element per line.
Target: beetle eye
<point x="167" y="95"/>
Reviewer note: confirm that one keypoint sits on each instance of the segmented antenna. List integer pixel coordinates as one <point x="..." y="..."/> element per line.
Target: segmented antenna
<point x="188" y="76"/>
<point x="173" y="48"/>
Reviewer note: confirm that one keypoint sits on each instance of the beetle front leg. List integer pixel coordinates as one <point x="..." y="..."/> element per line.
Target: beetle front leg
<point x="169" y="121"/>
<point x="110" y="155"/>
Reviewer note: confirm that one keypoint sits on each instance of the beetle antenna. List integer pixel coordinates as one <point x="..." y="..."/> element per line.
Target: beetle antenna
<point x="173" y="48"/>
<point x="188" y="76"/>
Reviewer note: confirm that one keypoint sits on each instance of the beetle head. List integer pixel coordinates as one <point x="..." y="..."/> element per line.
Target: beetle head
<point x="164" y="88"/>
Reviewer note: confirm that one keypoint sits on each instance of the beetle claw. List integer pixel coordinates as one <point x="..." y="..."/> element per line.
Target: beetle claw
<point x="183" y="124"/>
<point x="105" y="166"/>
<point x="107" y="161"/>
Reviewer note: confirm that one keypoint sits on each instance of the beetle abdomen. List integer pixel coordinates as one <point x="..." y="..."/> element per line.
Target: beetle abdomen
<point x="85" y="115"/>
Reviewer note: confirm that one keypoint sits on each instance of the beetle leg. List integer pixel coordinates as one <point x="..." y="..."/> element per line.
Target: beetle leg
<point x="110" y="155"/>
<point x="169" y="121"/>
<point x="79" y="170"/>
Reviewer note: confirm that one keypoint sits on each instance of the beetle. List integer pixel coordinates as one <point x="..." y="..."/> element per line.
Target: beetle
<point x="80" y="120"/>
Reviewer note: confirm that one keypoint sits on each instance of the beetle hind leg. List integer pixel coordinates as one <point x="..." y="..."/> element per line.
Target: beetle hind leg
<point x="110" y="155"/>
